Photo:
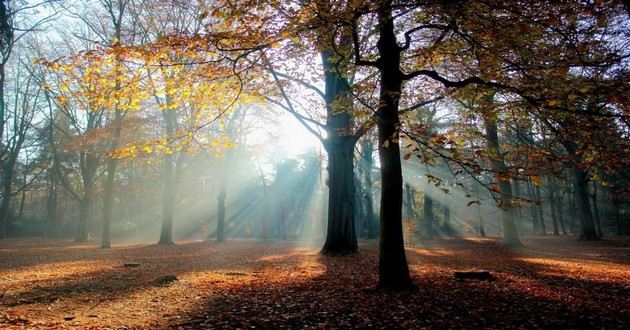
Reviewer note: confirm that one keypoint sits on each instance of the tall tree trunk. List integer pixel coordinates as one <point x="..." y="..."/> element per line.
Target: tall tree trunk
<point x="341" y="235"/>
<point x="393" y="269"/>
<point x="497" y="162"/>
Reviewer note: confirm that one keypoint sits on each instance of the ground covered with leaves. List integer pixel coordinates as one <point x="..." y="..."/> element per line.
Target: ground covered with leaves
<point x="549" y="283"/>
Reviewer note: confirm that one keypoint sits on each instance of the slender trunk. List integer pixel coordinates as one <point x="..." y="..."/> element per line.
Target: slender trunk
<point x="497" y="162"/>
<point x="108" y="203"/>
<point x="22" y="197"/>
<point x="393" y="269"/>
<point x="168" y="201"/>
<point x="108" y="189"/>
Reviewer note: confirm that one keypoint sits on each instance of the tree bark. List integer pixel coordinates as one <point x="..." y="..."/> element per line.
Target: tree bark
<point x="341" y="236"/>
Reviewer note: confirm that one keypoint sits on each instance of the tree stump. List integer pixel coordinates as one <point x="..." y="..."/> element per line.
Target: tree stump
<point x="482" y="275"/>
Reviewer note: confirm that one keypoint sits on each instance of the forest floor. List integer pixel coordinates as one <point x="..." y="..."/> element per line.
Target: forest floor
<point x="549" y="283"/>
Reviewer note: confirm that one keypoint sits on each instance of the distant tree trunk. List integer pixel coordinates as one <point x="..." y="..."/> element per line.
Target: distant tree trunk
<point x="481" y="231"/>
<point x="51" y="203"/>
<point x="22" y="196"/>
<point x="448" y="227"/>
<point x="221" y="209"/>
<point x="108" y="203"/>
<point x="393" y="269"/>
<point x="532" y="209"/>
<point x="596" y="210"/>
<point x="551" y="200"/>
<point x="409" y="202"/>
<point x="497" y="162"/>
<point x="89" y="165"/>
<point x="587" y="231"/>
<point x="361" y="220"/>
<point x="560" y="213"/>
<point x="427" y="231"/>
<point x="518" y="211"/>
<point x="539" y="211"/>
<point x="573" y="211"/>
<point x="367" y="162"/>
